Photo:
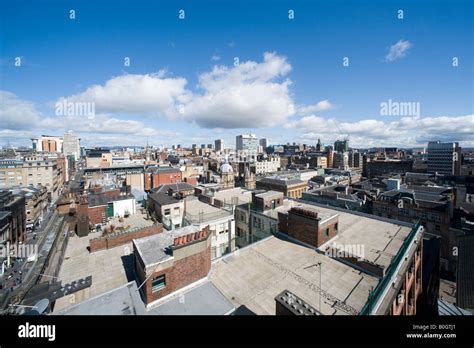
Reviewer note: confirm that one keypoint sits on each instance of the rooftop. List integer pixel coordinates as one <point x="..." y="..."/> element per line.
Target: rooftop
<point x="179" y="186"/>
<point x="269" y="194"/>
<point x="109" y="268"/>
<point x="255" y="275"/>
<point x="243" y="195"/>
<point x="124" y="300"/>
<point x="381" y="240"/>
<point x="163" y="198"/>
<point x="282" y="181"/>
<point x="323" y="215"/>
<point x="101" y="199"/>
<point x="204" y="299"/>
<point x="156" y="248"/>
<point x="199" y="212"/>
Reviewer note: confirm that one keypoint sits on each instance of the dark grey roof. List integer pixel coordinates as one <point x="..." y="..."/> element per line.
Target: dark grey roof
<point x="180" y="186"/>
<point x="100" y="199"/>
<point x="465" y="273"/>
<point x="163" y="198"/>
<point x="4" y="214"/>
<point x="204" y="299"/>
<point x="429" y="197"/>
<point x="430" y="189"/>
<point x="391" y="193"/>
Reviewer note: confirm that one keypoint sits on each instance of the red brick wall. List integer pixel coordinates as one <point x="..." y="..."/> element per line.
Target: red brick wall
<point x="182" y="273"/>
<point x="283" y="223"/>
<point x="191" y="180"/>
<point x="97" y="244"/>
<point x="306" y="229"/>
<point x="166" y="178"/>
<point x="205" y="199"/>
<point x="117" y="239"/>
<point x="147" y="181"/>
<point x="96" y="213"/>
<point x="303" y="229"/>
<point x="332" y="233"/>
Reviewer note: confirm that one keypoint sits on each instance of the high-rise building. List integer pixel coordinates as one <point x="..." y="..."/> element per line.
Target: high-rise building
<point x="263" y="143"/>
<point x="319" y="146"/>
<point x="341" y="145"/>
<point x="71" y="145"/>
<point x="341" y="160"/>
<point x="219" y="145"/>
<point x="329" y="156"/>
<point x="247" y="143"/>
<point x="444" y="158"/>
<point x="47" y="143"/>
<point x="355" y="159"/>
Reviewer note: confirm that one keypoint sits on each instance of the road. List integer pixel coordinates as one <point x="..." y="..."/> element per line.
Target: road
<point x="19" y="276"/>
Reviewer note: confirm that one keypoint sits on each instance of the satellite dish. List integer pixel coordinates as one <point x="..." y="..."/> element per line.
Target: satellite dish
<point x="41" y="305"/>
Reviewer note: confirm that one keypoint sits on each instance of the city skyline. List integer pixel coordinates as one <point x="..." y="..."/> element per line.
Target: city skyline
<point x="290" y="87"/>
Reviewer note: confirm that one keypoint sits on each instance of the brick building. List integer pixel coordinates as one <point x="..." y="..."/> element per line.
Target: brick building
<point x="308" y="226"/>
<point x="432" y="205"/>
<point x="292" y="188"/>
<point x="103" y="206"/>
<point x="12" y="217"/>
<point x="375" y="168"/>
<point x="156" y="176"/>
<point x="169" y="261"/>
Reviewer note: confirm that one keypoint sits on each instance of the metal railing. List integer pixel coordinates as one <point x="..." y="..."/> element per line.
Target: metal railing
<point x="374" y="295"/>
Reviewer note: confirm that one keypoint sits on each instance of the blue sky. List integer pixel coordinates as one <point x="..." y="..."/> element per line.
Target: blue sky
<point x="182" y="86"/>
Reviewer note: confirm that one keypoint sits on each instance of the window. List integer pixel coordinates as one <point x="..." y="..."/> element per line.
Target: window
<point x="213" y="253"/>
<point x="158" y="283"/>
<point x="437" y="228"/>
<point x="167" y="211"/>
<point x="335" y="226"/>
<point x="326" y="232"/>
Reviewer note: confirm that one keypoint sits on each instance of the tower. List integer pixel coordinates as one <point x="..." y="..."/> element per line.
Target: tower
<point x="250" y="181"/>
<point x="227" y="175"/>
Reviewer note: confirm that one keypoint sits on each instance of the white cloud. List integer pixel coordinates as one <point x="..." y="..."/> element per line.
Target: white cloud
<point x="398" y="50"/>
<point x="16" y="113"/>
<point x="406" y="131"/>
<point x="320" y="106"/>
<point x="250" y="95"/>
<point x="153" y="94"/>
<point x="215" y="57"/>
<point x="20" y="120"/>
